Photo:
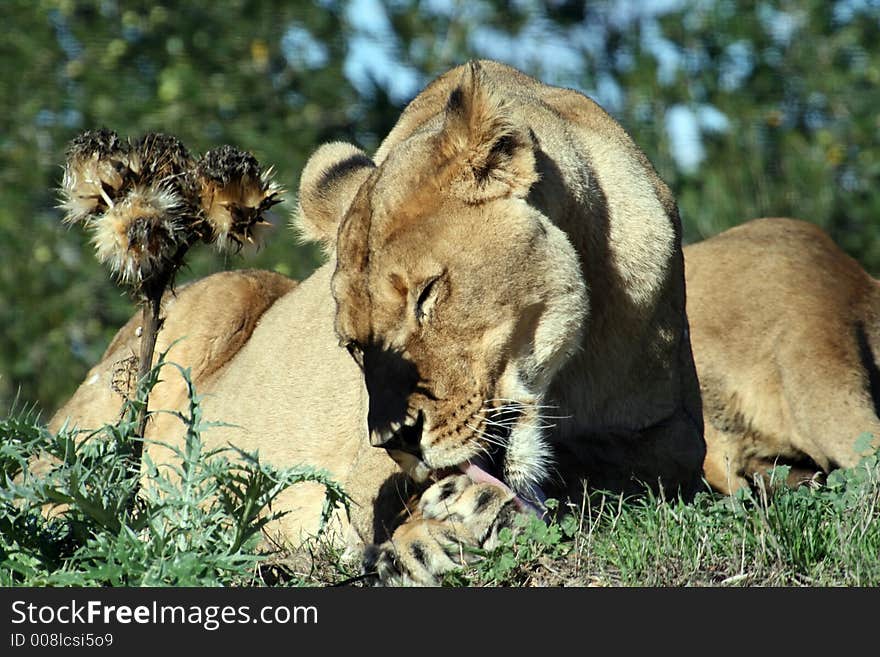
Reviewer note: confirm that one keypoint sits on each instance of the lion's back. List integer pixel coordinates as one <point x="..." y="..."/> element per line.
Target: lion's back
<point x="209" y="320"/>
<point x="771" y="279"/>
<point x="785" y="330"/>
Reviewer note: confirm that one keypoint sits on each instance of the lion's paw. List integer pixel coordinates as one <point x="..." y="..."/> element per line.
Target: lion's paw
<point x="455" y="518"/>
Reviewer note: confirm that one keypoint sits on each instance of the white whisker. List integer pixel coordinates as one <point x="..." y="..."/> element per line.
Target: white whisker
<point x="492" y="423"/>
<point x="518" y="403"/>
<point x="538" y="423"/>
<point x="484" y="436"/>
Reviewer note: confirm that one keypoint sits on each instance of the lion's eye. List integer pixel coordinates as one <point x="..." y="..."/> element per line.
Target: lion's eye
<point x="426" y="298"/>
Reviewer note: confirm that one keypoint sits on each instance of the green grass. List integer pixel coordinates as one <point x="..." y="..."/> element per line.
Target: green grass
<point x="818" y="535"/>
<point x="197" y="521"/>
<point x="826" y="535"/>
<point x="88" y="520"/>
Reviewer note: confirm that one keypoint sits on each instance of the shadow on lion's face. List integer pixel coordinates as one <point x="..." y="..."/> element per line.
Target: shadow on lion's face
<point x="455" y="318"/>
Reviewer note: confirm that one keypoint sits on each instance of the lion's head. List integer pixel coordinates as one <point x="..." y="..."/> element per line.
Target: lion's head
<point x="457" y="298"/>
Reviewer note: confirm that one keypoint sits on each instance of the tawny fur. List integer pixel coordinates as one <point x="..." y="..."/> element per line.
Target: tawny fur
<point x="210" y="320"/>
<point x="324" y="199"/>
<point x="786" y="332"/>
<point x="553" y="254"/>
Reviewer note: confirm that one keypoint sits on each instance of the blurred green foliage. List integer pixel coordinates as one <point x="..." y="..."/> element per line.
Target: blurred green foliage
<point x="798" y="84"/>
<point x="207" y="74"/>
<point x="749" y="108"/>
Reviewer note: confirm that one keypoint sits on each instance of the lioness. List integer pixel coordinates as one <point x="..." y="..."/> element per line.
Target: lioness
<point x="786" y="331"/>
<point x="503" y="312"/>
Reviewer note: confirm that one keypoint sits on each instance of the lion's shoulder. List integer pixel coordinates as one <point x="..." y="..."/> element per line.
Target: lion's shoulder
<point x="206" y="323"/>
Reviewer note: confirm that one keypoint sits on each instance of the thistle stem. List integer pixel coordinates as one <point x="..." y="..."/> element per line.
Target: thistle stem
<point x="152" y="323"/>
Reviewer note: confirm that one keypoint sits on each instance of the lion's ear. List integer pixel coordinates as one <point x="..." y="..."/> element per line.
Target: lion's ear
<point x="491" y="156"/>
<point x="329" y="182"/>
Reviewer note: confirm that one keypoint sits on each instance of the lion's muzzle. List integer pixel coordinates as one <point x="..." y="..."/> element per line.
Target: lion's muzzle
<point x="402" y="436"/>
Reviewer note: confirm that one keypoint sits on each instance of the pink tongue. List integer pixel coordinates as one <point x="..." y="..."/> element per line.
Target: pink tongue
<point x="480" y="476"/>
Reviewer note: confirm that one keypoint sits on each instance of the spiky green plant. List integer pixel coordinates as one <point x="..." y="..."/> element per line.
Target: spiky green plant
<point x="79" y="517"/>
<point x="147" y="201"/>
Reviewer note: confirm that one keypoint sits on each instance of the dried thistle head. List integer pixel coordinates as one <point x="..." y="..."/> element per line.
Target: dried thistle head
<point x="143" y="234"/>
<point x="160" y="157"/>
<point x="94" y="174"/>
<point x="234" y="193"/>
<point x="146" y="218"/>
<point x="147" y="201"/>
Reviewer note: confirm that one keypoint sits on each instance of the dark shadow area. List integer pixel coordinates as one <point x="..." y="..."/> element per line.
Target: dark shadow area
<point x="802" y="470"/>
<point x="391" y="380"/>
<point x="397" y="498"/>
<point x="668" y="454"/>
<point x="869" y="362"/>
